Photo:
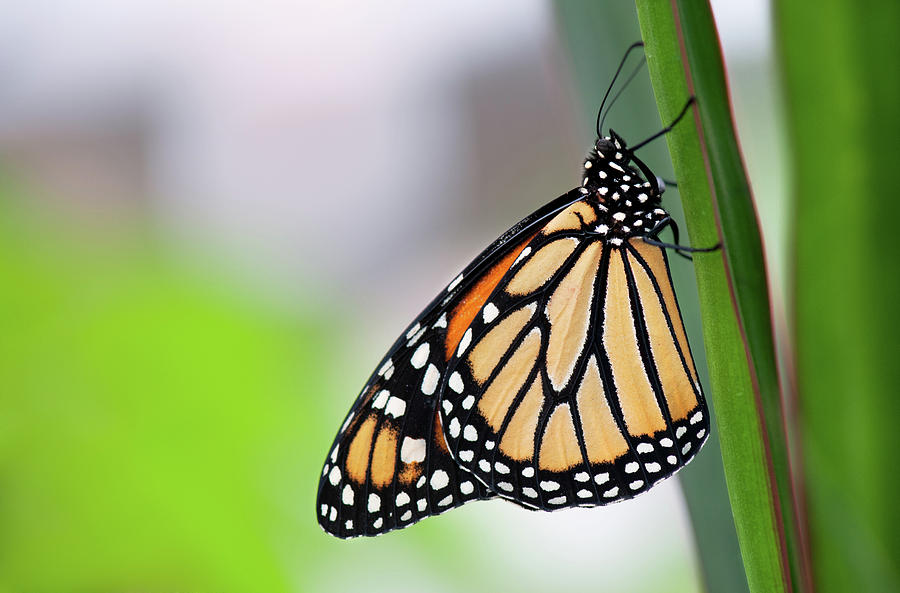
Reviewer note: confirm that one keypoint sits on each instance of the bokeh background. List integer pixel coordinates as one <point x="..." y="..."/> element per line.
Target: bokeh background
<point x="214" y="219"/>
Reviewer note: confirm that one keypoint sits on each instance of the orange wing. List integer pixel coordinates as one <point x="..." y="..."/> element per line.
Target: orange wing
<point x="575" y="385"/>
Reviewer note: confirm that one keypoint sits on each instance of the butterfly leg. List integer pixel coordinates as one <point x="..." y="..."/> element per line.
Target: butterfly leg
<point x="682" y="250"/>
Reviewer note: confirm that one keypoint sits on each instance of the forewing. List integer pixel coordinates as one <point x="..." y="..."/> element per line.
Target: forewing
<point x="576" y="385"/>
<point x="389" y="465"/>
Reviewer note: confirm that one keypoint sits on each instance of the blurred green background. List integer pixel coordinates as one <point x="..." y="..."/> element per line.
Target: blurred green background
<point x="212" y="224"/>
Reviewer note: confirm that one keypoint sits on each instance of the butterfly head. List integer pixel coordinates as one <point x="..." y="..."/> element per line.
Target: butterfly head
<point x="616" y="177"/>
<point x="627" y="192"/>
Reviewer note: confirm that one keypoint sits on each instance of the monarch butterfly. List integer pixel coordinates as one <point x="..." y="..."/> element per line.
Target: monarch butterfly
<point x="553" y="371"/>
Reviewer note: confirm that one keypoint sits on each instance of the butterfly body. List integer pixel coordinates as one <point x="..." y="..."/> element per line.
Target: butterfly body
<point x="554" y="371"/>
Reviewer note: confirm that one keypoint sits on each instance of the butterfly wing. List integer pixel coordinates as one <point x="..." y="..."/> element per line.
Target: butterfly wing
<point x="575" y="384"/>
<point x="389" y="465"/>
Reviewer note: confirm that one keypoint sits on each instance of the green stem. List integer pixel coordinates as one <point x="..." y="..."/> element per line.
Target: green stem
<point x="683" y="58"/>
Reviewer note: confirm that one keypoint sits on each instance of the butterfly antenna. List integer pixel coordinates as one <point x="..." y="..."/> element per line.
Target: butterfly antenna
<point x="631" y="48"/>
<point x="622" y="90"/>
<point x="666" y="129"/>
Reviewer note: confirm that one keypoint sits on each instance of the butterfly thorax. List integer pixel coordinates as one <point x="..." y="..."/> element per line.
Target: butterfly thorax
<point x="627" y="204"/>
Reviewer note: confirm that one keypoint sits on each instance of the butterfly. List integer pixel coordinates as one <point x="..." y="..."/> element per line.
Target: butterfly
<point x="553" y="371"/>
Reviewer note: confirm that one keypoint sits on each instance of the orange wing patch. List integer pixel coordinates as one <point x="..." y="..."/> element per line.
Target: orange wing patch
<point x="468" y="307"/>
<point x="571" y="219"/>
<point x="569" y="314"/>
<point x="636" y="397"/>
<point x="654" y="258"/>
<point x="518" y="440"/>
<point x="500" y="393"/>
<point x="559" y="447"/>
<point x="491" y="348"/>
<point x="676" y="383"/>
<point x="383" y="457"/>
<point x="358" y="455"/>
<point x="535" y="272"/>
<point x="602" y="438"/>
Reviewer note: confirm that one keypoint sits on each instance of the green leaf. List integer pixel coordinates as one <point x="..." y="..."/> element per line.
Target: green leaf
<point x="595" y="36"/>
<point x="840" y="61"/>
<point x="683" y="57"/>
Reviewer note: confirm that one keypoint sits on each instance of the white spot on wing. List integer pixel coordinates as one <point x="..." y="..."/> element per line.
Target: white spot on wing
<point x="456" y="383"/>
<point x="441" y="322"/>
<point x="454" y="427"/>
<point x="416" y="337"/>
<point x="467" y="488"/>
<point x="402" y="499"/>
<point x="430" y="381"/>
<point x="525" y="253"/>
<point x="464" y="342"/>
<point x="585" y="494"/>
<point x="374" y="503"/>
<point x="529" y="492"/>
<point x="469" y="433"/>
<point x="381" y="399"/>
<point x="549" y="485"/>
<point x="347" y="495"/>
<point x="420" y="356"/>
<point x="455" y="283"/>
<point x="334" y="476"/>
<point x="582" y="477"/>
<point x="636" y="484"/>
<point x="501" y="468"/>
<point x="439" y="479"/>
<point x="412" y="331"/>
<point x="468" y="402"/>
<point x="601" y="478"/>
<point x="490" y="312"/>
<point x="644" y="448"/>
<point x="467" y="455"/>
<point x="395" y="407"/>
<point x="412" y="450"/>
<point x="632" y="467"/>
